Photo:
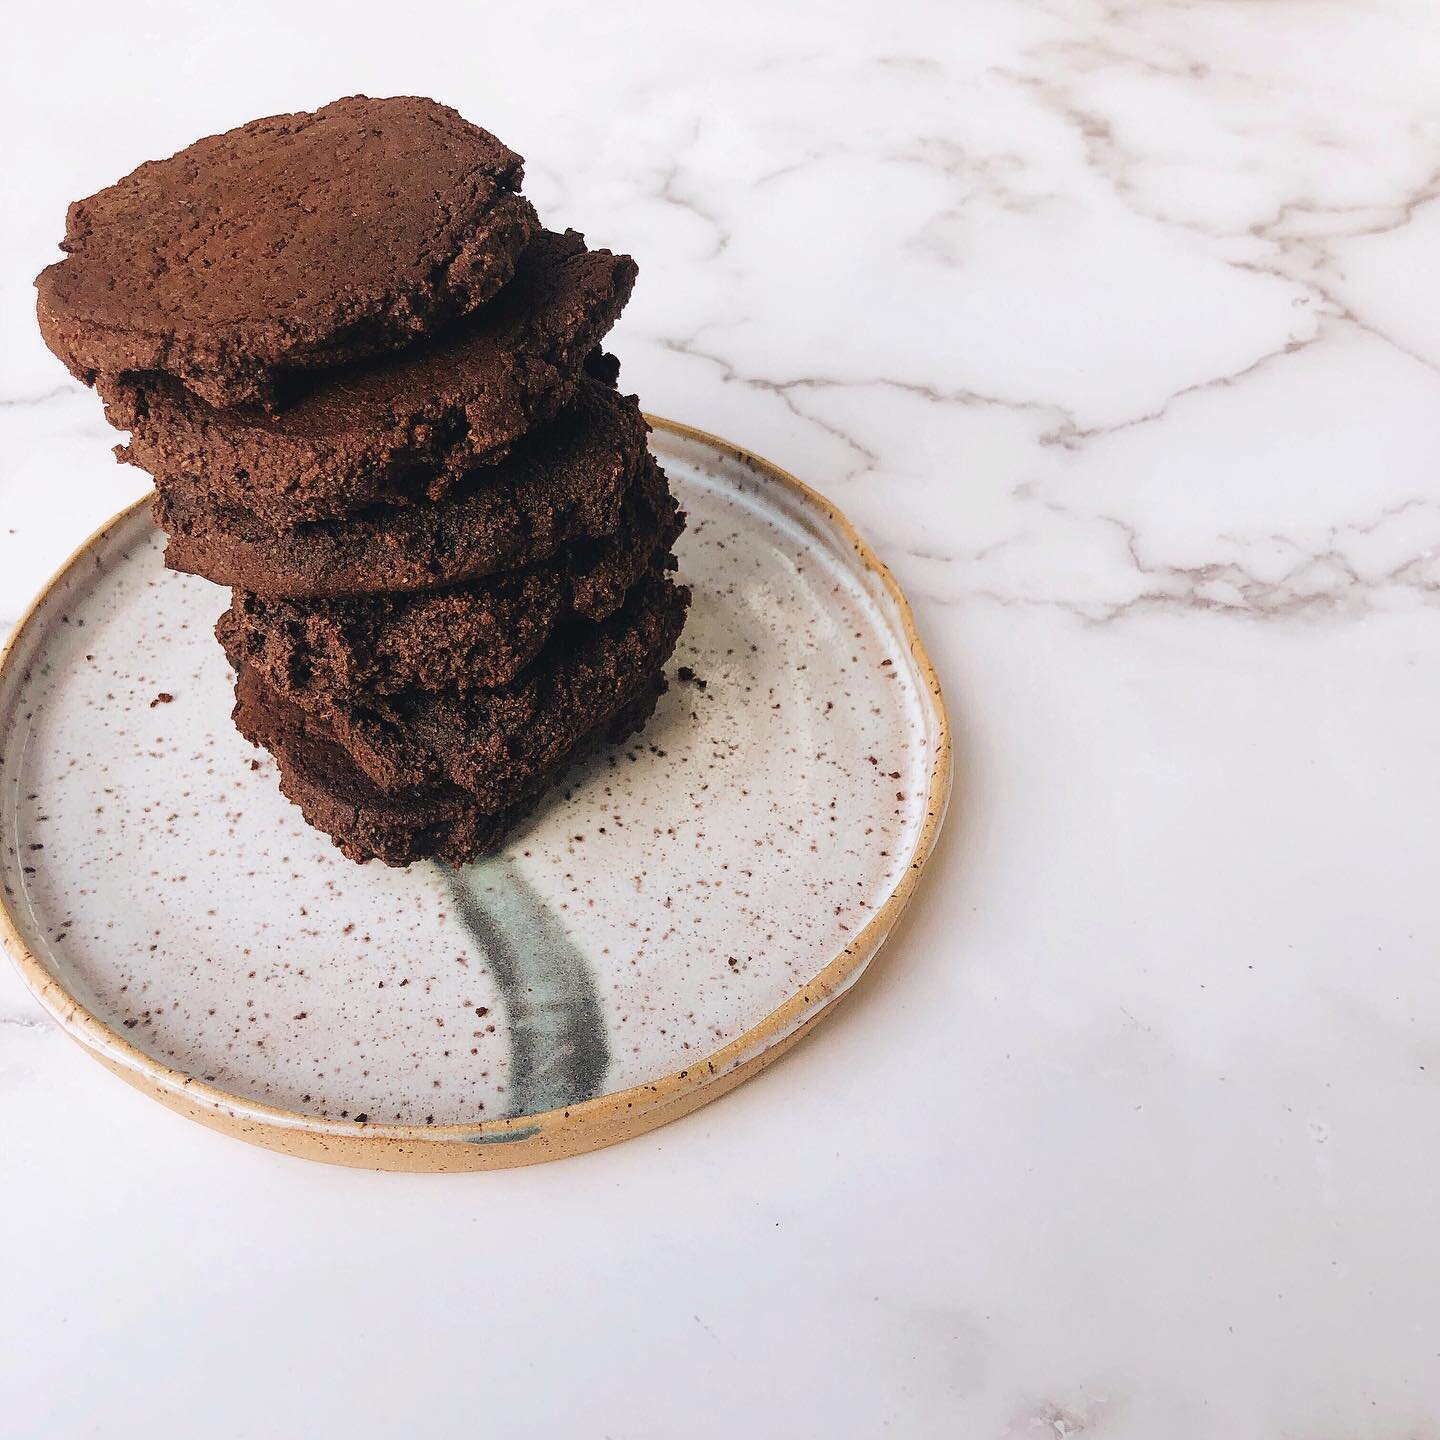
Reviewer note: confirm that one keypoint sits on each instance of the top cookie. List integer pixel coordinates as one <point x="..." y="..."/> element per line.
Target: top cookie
<point x="291" y="242"/>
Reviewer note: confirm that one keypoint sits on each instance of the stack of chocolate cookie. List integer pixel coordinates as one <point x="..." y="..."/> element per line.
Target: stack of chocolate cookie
<point x="370" y="390"/>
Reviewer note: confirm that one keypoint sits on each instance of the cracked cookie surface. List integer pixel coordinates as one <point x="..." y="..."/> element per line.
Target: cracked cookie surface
<point x="291" y="242"/>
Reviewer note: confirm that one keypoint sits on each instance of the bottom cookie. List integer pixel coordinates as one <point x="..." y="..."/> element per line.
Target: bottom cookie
<point x="442" y="822"/>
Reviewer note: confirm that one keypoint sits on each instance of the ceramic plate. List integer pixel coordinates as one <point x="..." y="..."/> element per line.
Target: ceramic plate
<point x="669" y="923"/>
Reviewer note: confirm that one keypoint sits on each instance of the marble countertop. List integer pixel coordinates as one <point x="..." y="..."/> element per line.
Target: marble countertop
<point x="1111" y="325"/>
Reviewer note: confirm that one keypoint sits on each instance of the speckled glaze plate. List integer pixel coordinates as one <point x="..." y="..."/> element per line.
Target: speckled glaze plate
<point x="667" y="925"/>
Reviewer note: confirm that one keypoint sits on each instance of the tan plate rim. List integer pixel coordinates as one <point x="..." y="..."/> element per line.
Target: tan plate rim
<point x="493" y="1144"/>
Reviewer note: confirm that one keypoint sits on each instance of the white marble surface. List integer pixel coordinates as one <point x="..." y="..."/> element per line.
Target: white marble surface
<point x="1116" y="326"/>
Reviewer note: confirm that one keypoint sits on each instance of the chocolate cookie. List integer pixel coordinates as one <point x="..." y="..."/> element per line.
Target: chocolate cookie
<point x="479" y="636"/>
<point x="562" y="483"/>
<point x="442" y="822"/>
<point x="406" y="426"/>
<point x="490" y="743"/>
<point x="291" y="242"/>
